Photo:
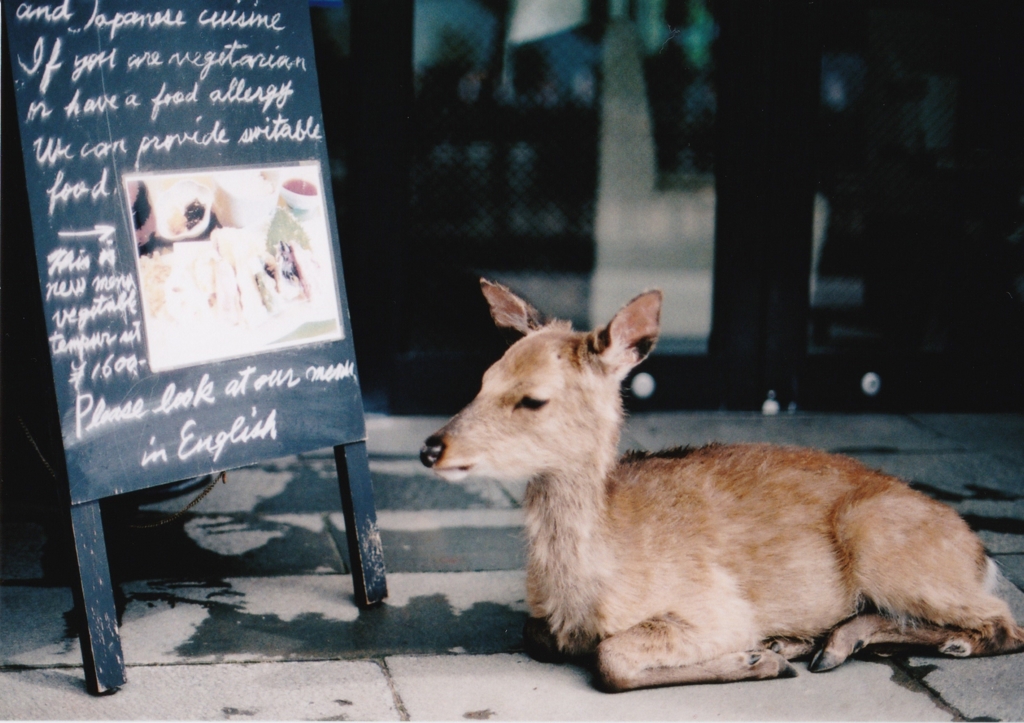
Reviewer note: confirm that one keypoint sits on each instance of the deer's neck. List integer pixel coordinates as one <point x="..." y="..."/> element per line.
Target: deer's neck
<point x="568" y="559"/>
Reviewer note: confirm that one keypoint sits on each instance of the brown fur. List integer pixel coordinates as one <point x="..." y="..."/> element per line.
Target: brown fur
<point x="709" y="564"/>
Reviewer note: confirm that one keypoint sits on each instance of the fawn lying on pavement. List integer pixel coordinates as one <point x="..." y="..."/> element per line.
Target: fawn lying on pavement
<point x="704" y="565"/>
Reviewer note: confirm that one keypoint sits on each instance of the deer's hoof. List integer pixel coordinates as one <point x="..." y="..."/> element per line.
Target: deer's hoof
<point x="823" y="660"/>
<point x="956" y="648"/>
<point x="769" y="664"/>
<point x="790" y="648"/>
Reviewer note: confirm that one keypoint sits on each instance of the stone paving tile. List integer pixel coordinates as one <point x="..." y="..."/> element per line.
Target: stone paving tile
<point x="1001" y="543"/>
<point x="285" y="485"/>
<point x="958" y="474"/>
<point x="426" y="491"/>
<point x="833" y="432"/>
<point x="980" y="688"/>
<point x="276" y="618"/>
<point x="204" y="546"/>
<point x="482" y="491"/>
<point x="1013" y="568"/>
<point x="1013" y="596"/>
<point x="1002" y="433"/>
<point x="513" y="687"/>
<point x="307" y="484"/>
<point x="992" y="515"/>
<point x="403" y="436"/>
<point x="21" y="550"/>
<point x="430" y="520"/>
<point x="221" y="541"/>
<point x="458" y="550"/>
<point x="327" y="690"/>
<point x="33" y="626"/>
<point x="446" y="540"/>
<point x="455" y="550"/>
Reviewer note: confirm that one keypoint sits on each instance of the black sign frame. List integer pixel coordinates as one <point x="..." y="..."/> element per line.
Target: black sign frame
<point x="130" y="117"/>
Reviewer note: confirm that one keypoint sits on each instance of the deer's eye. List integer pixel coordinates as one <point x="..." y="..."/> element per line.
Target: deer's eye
<point x="530" y="403"/>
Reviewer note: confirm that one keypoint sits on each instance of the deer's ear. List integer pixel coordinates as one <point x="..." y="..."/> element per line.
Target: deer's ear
<point x="631" y="335"/>
<point x="508" y="310"/>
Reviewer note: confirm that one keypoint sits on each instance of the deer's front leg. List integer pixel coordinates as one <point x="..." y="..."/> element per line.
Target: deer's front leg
<point x="791" y="648"/>
<point x="661" y="652"/>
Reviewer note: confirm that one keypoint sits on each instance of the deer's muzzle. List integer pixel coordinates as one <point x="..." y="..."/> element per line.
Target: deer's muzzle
<point x="432" y="450"/>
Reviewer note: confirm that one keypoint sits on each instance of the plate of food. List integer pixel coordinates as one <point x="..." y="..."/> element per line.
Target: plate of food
<point x="260" y="275"/>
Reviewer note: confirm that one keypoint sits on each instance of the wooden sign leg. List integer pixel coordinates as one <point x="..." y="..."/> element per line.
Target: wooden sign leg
<point x="366" y="554"/>
<point x="94" y="603"/>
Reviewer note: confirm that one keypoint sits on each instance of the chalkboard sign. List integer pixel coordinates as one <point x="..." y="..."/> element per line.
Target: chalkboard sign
<point x="185" y="237"/>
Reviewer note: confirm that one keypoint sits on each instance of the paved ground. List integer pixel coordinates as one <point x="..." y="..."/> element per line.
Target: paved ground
<point x="241" y="609"/>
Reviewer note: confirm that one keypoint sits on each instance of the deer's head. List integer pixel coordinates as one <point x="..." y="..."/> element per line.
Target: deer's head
<point x="553" y="400"/>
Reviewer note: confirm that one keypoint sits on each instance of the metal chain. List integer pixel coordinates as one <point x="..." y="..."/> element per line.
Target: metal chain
<point x="222" y="477"/>
<point x="35" y="446"/>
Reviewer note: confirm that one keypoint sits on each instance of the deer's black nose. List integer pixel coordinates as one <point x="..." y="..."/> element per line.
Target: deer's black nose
<point x="432" y="450"/>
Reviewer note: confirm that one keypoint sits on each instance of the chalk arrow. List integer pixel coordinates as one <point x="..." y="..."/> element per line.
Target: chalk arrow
<point x="101" y="231"/>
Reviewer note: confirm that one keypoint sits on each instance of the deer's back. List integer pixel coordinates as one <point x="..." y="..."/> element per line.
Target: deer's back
<point x="758" y="483"/>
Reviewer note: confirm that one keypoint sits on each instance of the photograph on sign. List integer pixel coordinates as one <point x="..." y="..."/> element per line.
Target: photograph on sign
<point x="233" y="262"/>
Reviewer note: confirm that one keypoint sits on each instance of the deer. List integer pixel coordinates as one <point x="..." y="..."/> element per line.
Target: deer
<point x="703" y="565"/>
